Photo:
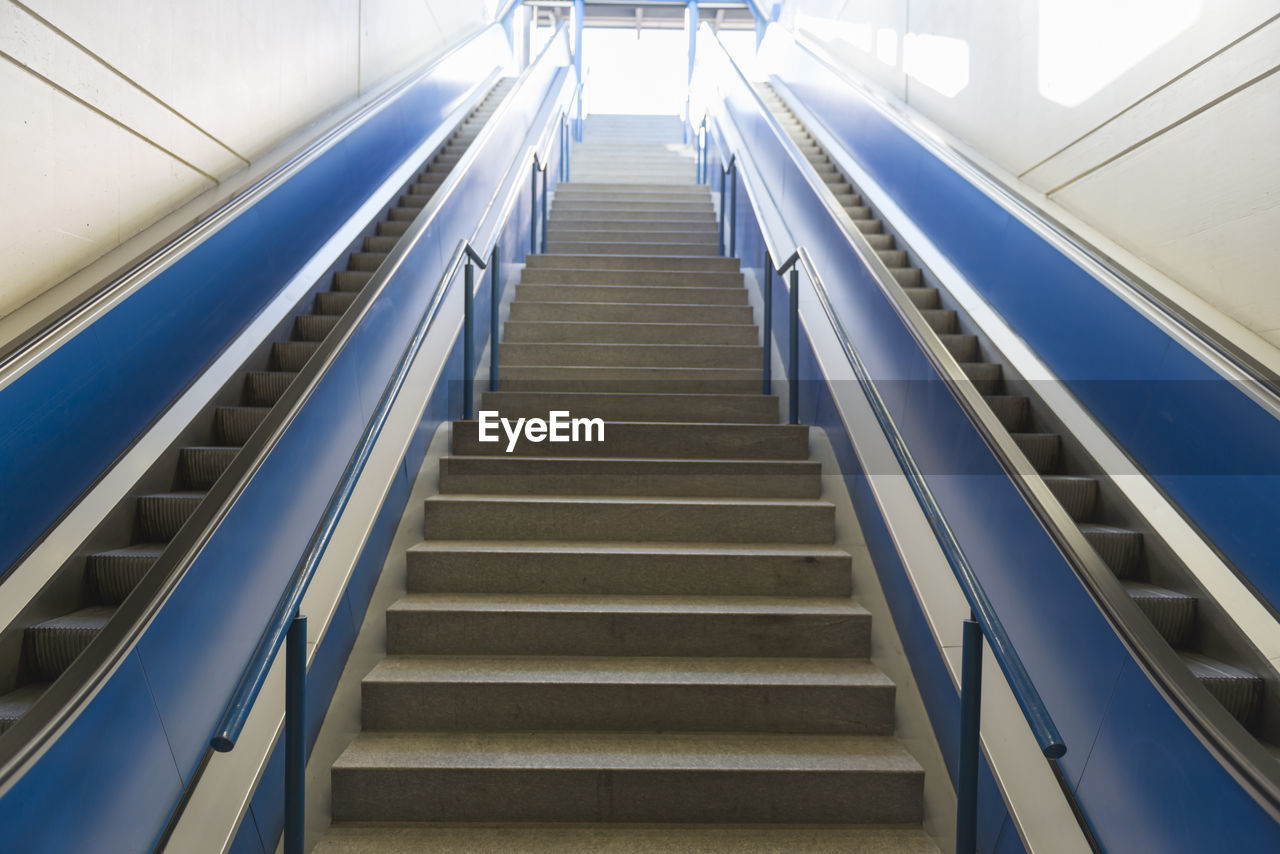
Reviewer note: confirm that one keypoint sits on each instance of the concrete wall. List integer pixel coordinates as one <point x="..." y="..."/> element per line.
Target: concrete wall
<point x="1153" y="121"/>
<point x="113" y="114"/>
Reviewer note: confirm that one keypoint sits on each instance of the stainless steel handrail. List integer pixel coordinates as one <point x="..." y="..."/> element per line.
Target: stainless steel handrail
<point x="1248" y="759"/>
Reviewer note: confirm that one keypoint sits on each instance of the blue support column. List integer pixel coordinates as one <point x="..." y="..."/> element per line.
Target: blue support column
<point x="495" y="298"/>
<point x="768" y="324"/>
<point x="468" y="336"/>
<point x="295" y="735"/>
<point x="793" y="348"/>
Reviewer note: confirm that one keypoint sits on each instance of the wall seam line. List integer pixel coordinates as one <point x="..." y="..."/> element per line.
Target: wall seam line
<point x="1226" y="47"/>
<point x="82" y="102"/>
<point x="1191" y="115"/>
<point x="126" y="78"/>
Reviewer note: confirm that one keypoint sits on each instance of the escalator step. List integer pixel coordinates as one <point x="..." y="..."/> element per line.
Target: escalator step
<point x="199" y="467"/>
<point x="868" y="226"/>
<point x="893" y="257"/>
<point x="1041" y="449"/>
<point x="1239" y="690"/>
<point x="908" y="277"/>
<point x="264" y="388"/>
<point x="1119" y="548"/>
<point x="334" y="302"/>
<point x="963" y="347"/>
<point x="381" y="244"/>
<point x="15" y="704"/>
<point x="51" y="646"/>
<point x="113" y="574"/>
<point x="292" y="355"/>
<point x="1010" y="409"/>
<point x="1171" y="612"/>
<point x="393" y="229"/>
<point x="984" y="376"/>
<point x="313" y="327"/>
<point x="923" y="297"/>
<point x="351" y="280"/>
<point x="1078" y="495"/>
<point x="366" y="262"/>
<point x="436" y="167"/>
<point x="403" y="214"/>
<point x="415" y="200"/>
<point x="233" y="425"/>
<point x="161" y="515"/>
<point x="880" y="241"/>
<point x="941" y="319"/>
<point x="860" y="212"/>
<point x="427" y="188"/>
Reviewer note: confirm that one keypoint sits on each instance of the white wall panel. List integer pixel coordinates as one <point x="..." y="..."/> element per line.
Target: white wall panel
<point x="1153" y="121"/>
<point x="115" y="113"/>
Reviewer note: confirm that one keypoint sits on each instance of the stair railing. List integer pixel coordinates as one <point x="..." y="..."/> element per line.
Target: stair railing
<point x="728" y="216"/>
<point x="287" y="626"/>
<point x="984" y="623"/>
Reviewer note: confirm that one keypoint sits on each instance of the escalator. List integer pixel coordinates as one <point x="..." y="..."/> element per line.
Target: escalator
<point x="110" y="574"/>
<point x="1153" y="577"/>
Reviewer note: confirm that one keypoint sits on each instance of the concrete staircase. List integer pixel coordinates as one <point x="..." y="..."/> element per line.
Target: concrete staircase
<point x="646" y="643"/>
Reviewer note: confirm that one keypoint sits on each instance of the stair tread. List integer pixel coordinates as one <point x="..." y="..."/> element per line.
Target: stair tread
<point x="627" y="604"/>
<point x="620" y="838"/>
<point x="481" y="498"/>
<point x="615" y="670"/>
<point x="606" y="547"/>
<point x="638" y="751"/>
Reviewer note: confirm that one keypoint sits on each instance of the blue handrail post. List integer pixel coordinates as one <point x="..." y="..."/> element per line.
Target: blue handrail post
<point x="970" y="719"/>
<point x="544" y="209"/>
<point x="295" y="735"/>
<point x="793" y="348"/>
<point x="533" y="207"/>
<point x="468" y="335"/>
<point x="768" y="323"/>
<point x="495" y="296"/>
<point x="724" y="177"/>
<point x="733" y="204"/>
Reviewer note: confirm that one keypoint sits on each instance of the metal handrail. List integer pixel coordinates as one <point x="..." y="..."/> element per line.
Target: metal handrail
<point x="984" y="621"/>
<point x="283" y="627"/>
<point x="1247" y="758"/>
<point x="21" y="348"/>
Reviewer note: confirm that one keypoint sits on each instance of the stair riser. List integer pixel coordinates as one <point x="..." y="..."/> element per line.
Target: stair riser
<point x="596" y="262"/>
<point x="634" y="248"/>
<point x="569" y="205"/>
<point x="568" y="234"/>
<point x="160" y="517"/>
<point x="731" y="409"/>
<point x="731" y="635"/>
<point x="647" y="294"/>
<point x="585" y="572"/>
<point x="656" y="440"/>
<point x="630" y="313"/>
<point x="626" y="796"/>
<point x="590" y="215"/>
<point x="629" y="522"/>
<point x="618" y="333"/>
<point x="492" y="479"/>
<point x="541" y="275"/>
<point x="638" y="355"/>
<point x="451" y="706"/>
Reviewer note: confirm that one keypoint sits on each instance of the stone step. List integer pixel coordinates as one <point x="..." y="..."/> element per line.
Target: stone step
<point x="629" y="333"/>
<point x="670" y="264"/>
<point x="580" y="476"/>
<point x="468" y="693"/>
<point x="658" y="626"/>
<point x="632" y="247"/>
<point x="633" y="215"/>
<point x="628" y="519"/>
<point x="627" y="777"/>
<point x="618" y="293"/>
<point x="604" y="275"/>
<point x="659" y="440"/>
<point x="704" y="408"/>
<point x="575" y="378"/>
<point x="557" y="234"/>
<point x="619" y="569"/>
<point x="602" y="312"/>
<point x="613" y="838"/>
<point x="513" y="353"/>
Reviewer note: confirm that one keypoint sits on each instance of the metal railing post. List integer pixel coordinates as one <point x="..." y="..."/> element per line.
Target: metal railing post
<point x="468" y="335"/>
<point x="733" y="205"/>
<point x="533" y="207"/>
<point x="295" y="735"/>
<point x="724" y="177"/>
<point x="793" y="348"/>
<point x="970" y="719"/>
<point x="768" y="322"/>
<point x="544" y="209"/>
<point x="495" y="295"/>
